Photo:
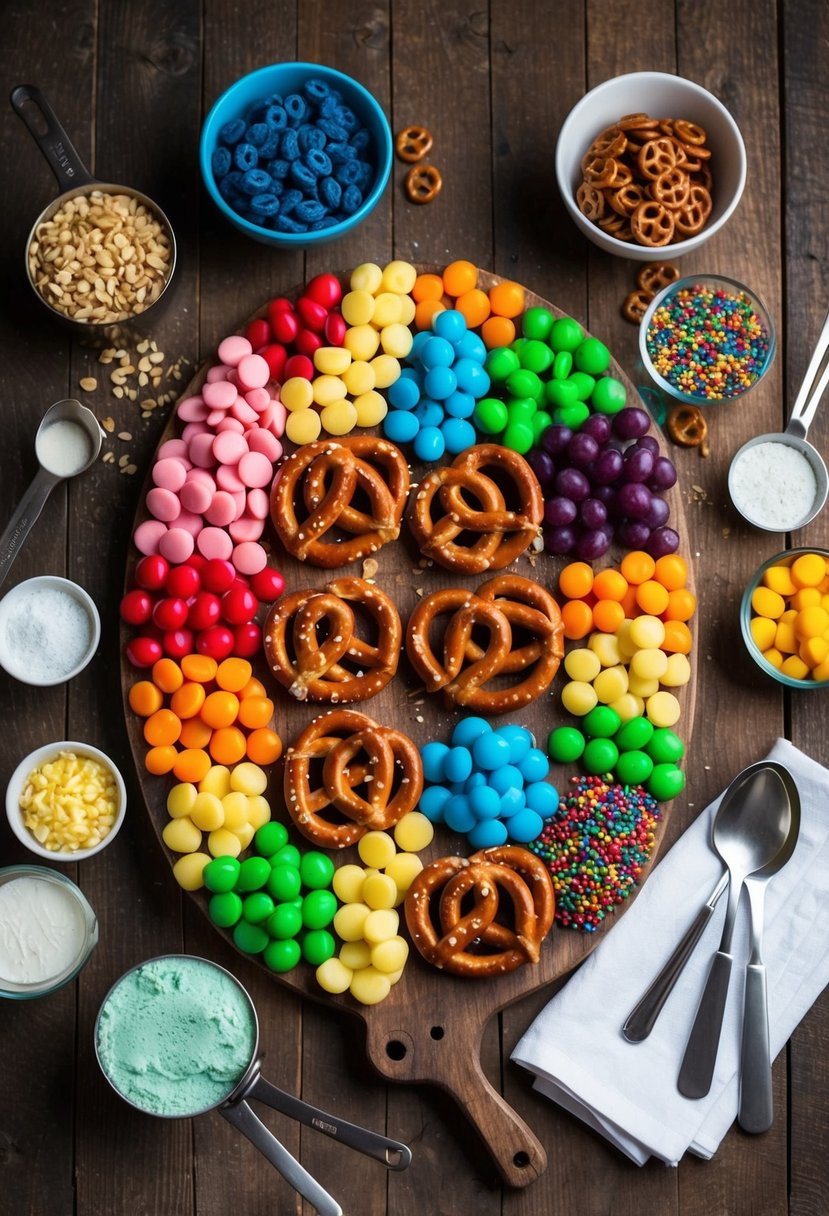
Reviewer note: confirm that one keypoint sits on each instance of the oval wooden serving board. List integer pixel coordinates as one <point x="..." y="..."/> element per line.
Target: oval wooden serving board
<point x="429" y="1029"/>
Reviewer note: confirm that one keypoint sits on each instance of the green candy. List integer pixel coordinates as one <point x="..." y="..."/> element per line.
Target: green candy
<point x="665" y="747"/>
<point x="318" y="908"/>
<point x="633" y="767"/>
<point x="601" y="723"/>
<point x="284" y="922"/>
<point x="609" y="395"/>
<point x="592" y="356"/>
<point x="270" y="838"/>
<point x="254" y="872"/>
<point x="519" y="437"/>
<point x="537" y="323"/>
<point x="252" y="939"/>
<point x="490" y="415"/>
<point x="540" y="421"/>
<point x="521" y="409"/>
<point x="566" y="334"/>
<point x="563" y="365"/>
<point x="561" y="392"/>
<point x="316" y="870"/>
<point x="571" y="415"/>
<point x="288" y="855"/>
<point x="584" y="384"/>
<point x="535" y="356"/>
<point x="634" y="734"/>
<point x="599" y="756"/>
<point x="665" y="782"/>
<point x="225" y="909"/>
<point x="221" y="874"/>
<point x="565" y="744"/>
<point x="525" y="383"/>
<point x="282" y="956"/>
<point x="500" y="363"/>
<point x="318" y="946"/>
<point x="257" y="907"/>
<point x="284" y="883"/>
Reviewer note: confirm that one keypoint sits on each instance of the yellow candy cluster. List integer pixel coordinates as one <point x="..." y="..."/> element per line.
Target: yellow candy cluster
<point x="378" y="310"/>
<point x="228" y="804"/>
<point x="373" y="953"/>
<point x="791" y="622"/>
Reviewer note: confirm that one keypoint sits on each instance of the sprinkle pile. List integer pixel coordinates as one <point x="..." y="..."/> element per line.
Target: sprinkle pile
<point x="708" y="342"/>
<point x="595" y="847"/>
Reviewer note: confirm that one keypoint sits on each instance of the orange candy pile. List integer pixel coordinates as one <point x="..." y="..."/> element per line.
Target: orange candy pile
<point x="492" y="311"/>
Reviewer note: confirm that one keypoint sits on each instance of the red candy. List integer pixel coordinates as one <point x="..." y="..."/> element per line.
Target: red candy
<point x="218" y="575"/>
<point x="143" y="651"/>
<point x="324" y="289"/>
<point x="216" y="642"/>
<point x="307" y="342"/>
<point x="183" y="581"/>
<point x="170" y="613"/>
<point x="136" y="607"/>
<point x="285" y="326"/>
<point x="177" y="643"/>
<point x="258" y="333"/>
<point x="312" y="313"/>
<point x="204" y="611"/>
<point x="299" y="365"/>
<point x="335" y="329"/>
<point x="239" y="605"/>
<point x="267" y="584"/>
<point x="247" y="640"/>
<point x="151" y="572"/>
<point x="275" y="356"/>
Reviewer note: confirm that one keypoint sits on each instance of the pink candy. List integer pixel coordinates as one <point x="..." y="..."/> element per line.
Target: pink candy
<point x="219" y="395"/>
<point x="255" y="470"/>
<point x="230" y="447"/>
<point x="233" y="349"/>
<point x="177" y="545"/>
<point x="215" y="542"/>
<point x="170" y="473"/>
<point x="249" y="557"/>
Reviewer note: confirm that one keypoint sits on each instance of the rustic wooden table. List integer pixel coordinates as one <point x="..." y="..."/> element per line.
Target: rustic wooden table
<point x="132" y="81"/>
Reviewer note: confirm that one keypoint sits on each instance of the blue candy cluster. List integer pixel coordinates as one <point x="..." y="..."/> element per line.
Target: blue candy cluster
<point x="434" y="398"/>
<point x="297" y="163"/>
<point x="489" y="785"/>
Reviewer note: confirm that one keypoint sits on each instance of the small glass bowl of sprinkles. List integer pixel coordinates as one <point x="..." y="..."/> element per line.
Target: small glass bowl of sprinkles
<point x="706" y="339"/>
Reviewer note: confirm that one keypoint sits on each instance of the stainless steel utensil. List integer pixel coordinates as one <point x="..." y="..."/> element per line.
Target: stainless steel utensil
<point x="49" y="473"/>
<point x="756" y="1112"/>
<point x="749" y="829"/>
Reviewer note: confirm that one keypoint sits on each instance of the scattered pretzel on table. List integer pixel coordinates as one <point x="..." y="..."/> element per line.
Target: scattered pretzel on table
<point x="423" y="183"/>
<point x="352" y="751"/>
<point x="313" y="495"/>
<point x="505" y="606"/>
<point x="413" y="143"/>
<point x="313" y="647"/>
<point x="471" y="500"/>
<point x="463" y="936"/>
<point x="687" y="426"/>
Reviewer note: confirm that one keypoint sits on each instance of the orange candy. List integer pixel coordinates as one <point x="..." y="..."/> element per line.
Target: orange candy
<point x="167" y="675"/>
<point x="199" y="667"/>
<point x="187" y="700"/>
<point x="253" y="688"/>
<point x="194" y="733"/>
<point x="506" y="299"/>
<point x="610" y="585"/>
<point x="264" y="746"/>
<point x="255" y="712"/>
<point x="162" y="728"/>
<point x="652" y="597"/>
<point x="577" y="617"/>
<point x="427" y="287"/>
<point x="682" y="604"/>
<point x="227" y="745"/>
<point x="460" y="277"/>
<point x="497" y="331"/>
<point x="671" y="571"/>
<point x="425" y="310"/>
<point x="233" y="674"/>
<point x="677" y="638"/>
<point x="473" y="306"/>
<point x="608" y="615"/>
<point x="193" y="764"/>
<point x="220" y="709"/>
<point x="160" y="760"/>
<point x="145" y="698"/>
<point x="637" y="566"/>
<point x="576" y="580"/>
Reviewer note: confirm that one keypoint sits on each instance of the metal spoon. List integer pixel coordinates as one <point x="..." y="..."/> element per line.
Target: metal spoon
<point x="81" y="429"/>
<point x="756" y="1111"/>
<point x="748" y="832"/>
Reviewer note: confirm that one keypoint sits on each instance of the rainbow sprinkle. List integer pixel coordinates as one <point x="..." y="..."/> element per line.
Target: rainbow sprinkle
<point x="595" y="847"/>
<point x="708" y="343"/>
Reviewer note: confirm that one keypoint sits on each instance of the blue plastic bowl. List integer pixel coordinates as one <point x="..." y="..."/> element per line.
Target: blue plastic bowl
<point x="287" y="78"/>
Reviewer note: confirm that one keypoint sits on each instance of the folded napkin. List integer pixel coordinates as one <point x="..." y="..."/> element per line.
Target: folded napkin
<point x="627" y="1091"/>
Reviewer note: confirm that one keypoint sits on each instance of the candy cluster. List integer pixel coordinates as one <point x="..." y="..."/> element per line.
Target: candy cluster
<point x="790" y="621"/>
<point x="493" y="311"/>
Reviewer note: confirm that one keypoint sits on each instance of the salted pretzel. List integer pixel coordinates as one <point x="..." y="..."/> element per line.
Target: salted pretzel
<point x="470" y="499"/>
<point x="412" y="143"/>
<point x="652" y="223"/>
<point x="524" y="638"/>
<point x="314" y="648"/>
<point x="423" y="183"/>
<point x="494" y="910"/>
<point x="313" y="495"/>
<point x="338" y="755"/>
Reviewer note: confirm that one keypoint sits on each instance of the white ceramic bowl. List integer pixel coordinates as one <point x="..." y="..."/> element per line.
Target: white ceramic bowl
<point x="23" y="636"/>
<point x="17" y="783"/>
<point x="660" y="95"/>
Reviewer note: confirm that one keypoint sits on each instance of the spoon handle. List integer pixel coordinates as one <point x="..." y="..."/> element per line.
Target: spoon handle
<point x="756" y="1112"/>
<point x="810" y="393"/>
<point x="21" y="523"/>
<point x="700" y="1058"/>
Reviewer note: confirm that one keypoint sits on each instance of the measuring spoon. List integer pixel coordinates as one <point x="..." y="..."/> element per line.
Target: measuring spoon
<point x="756" y="1111"/>
<point x="794" y="437"/>
<point x="749" y="829"/>
<point x="67" y="443"/>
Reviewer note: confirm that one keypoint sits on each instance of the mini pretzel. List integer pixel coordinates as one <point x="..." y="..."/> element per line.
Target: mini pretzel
<point x="636" y="305"/>
<point x="693" y="213"/>
<point x="471" y="932"/>
<point x="687" y="426"/>
<point x="412" y="143"/>
<point x="671" y="188"/>
<point x="423" y="183"/>
<point x="470" y="500"/>
<point x="501" y="608"/>
<point x="351" y="752"/>
<point x="689" y="132"/>
<point x="313" y="647"/>
<point x="656" y="156"/>
<point x="590" y="200"/>
<point x="320" y="479"/>
<point x="653" y="276"/>
<point x="652" y="223"/>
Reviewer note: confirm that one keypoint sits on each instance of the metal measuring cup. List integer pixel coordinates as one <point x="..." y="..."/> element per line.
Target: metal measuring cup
<point x="75" y="180"/>
<point x="235" y="1108"/>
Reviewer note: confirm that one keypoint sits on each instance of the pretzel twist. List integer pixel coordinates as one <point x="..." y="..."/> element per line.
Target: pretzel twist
<point x="464" y="936"/>
<point x="320" y="480"/>
<point x="313" y="647"/>
<point x="354" y="751"/>
<point x="501" y="607"/>
<point x="472" y="501"/>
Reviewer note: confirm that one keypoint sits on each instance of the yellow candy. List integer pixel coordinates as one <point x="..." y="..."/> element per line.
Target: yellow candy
<point x="582" y="664"/>
<point x="347" y="883"/>
<point x="784" y="637"/>
<point x="773" y="657"/>
<point x="611" y="684"/>
<point x="216" y="781"/>
<point x="649" y="664"/>
<point x="349" y="921"/>
<point x="334" y="976"/>
<point x="821" y="672"/>
<point x="387" y="309"/>
<point x="646" y="632"/>
<point x="386" y="370"/>
<point x="208" y="812"/>
<point x="396" y="340"/>
<point x="794" y="667"/>
<point x="303" y="426"/>
<point x="628" y="706"/>
<point x="578" y="698"/>
<point x="811" y="622"/>
<point x="370" y="407"/>
<point x="332" y="360"/>
<point x="413" y="832"/>
<point x="363" y="341"/>
<point x="189" y="871"/>
<point x="369" y="986"/>
<point x="662" y="709"/>
<point x="340" y="418"/>
<point x="606" y="647"/>
<point x="766" y="602"/>
<point x="181" y="835"/>
<point x="249" y="778"/>
<point x="806" y="597"/>
<point x="259" y="811"/>
<point x="379" y="891"/>
<point x="223" y="843"/>
<point x="779" y="579"/>
<point x="376" y="849"/>
<point x="379" y="925"/>
<point x="824" y="601"/>
<point x="366" y="277"/>
<point x="328" y="389"/>
<point x="235" y="809"/>
<point x="355" y="954"/>
<point x="296" y="394"/>
<point x="642" y="687"/>
<point x="678" y="671"/>
<point x="808" y="571"/>
<point x="408" y="310"/>
<point x="390" y="955"/>
<point x="357" y="307"/>
<point x="359" y="377"/>
<point x="244" y="834"/>
<point x="398" y="276"/>
<point x="403" y="869"/>
<point x="762" y="632"/>
<point x="813" y="651"/>
<point x="627" y="648"/>
<point x="180" y="800"/>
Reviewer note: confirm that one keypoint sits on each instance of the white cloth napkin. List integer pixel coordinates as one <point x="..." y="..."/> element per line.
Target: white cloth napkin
<point x="628" y="1091"/>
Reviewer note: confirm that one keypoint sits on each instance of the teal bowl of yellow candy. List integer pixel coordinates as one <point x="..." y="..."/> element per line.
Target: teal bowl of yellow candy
<point x="784" y="618"/>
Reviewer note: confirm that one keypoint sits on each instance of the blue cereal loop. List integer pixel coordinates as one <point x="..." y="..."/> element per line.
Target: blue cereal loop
<point x="256" y="134"/>
<point x="351" y="200"/>
<point x="265" y="205"/>
<point x="310" y="137"/>
<point x="347" y="118"/>
<point x="284" y="223"/>
<point x="279" y="169"/>
<point x="349" y="173"/>
<point x="330" y="192"/>
<point x="289" y="200"/>
<point x="318" y="162"/>
<point x="255" y="181"/>
<point x="361" y="140"/>
<point x="256" y="113"/>
<point x="296" y="107"/>
<point x="276" y="118"/>
<point x="289" y="144"/>
<point x="329" y="105"/>
<point x="232" y="131"/>
<point x="332" y="130"/>
<point x="309" y="211"/>
<point x="270" y="147"/>
<point x="316" y="90"/>
<point x="366" y="176"/>
<point x="302" y="177"/>
<point x="220" y="162"/>
<point x="245" y="157"/>
<point x="273" y="99"/>
<point x="230" y="186"/>
<point x="327" y="221"/>
<point x="340" y="152"/>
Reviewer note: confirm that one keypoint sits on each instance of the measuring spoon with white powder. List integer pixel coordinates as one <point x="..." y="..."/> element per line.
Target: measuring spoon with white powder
<point x="67" y="443"/>
<point x="779" y="482"/>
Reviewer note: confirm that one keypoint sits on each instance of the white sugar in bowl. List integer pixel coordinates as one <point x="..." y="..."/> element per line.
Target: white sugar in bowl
<point x="49" y="630"/>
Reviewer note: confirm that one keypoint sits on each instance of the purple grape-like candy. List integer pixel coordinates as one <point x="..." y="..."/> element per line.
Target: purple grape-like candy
<point x="648" y="441"/>
<point x="543" y="465"/>
<point x="555" y="438"/>
<point x="663" y="475"/>
<point x="631" y="423"/>
<point x="597" y="425"/>
<point x="607" y="467"/>
<point x="558" y="511"/>
<point x="592" y="545"/>
<point x="593" y="513"/>
<point x="634" y="534"/>
<point x="633" y="500"/>
<point x="658" y="514"/>
<point x="662" y="541"/>
<point x="582" y="450"/>
<point x="572" y="483"/>
<point x="559" y="541"/>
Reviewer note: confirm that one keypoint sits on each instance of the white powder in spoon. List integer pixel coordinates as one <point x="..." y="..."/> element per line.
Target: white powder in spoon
<point x="773" y="485"/>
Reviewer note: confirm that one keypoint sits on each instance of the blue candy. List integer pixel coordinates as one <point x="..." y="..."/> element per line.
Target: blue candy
<point x="542" y="797"/>
<point x="505" y="778"/>
<point x="468" y="730"/>
<point x="485" y="802"/>
<point x="449" y="324"/>
<point x="525" y="826"/>
<point x="279" y="169"/>
<point x="428" y="414"/>
<point x="400" y="426"/>
<point x="490" y="751"/>
<point x="429" y="444"/>
<point x="303" y="177"/>
<point x="513" y="800"/>
<point x="232" y="131"/>
<point x="347" y="118"/>
<point x="330" y="192"/>
<point x="289" y="144"/>
<point x="220" y="162"/>
<point x="327" y="221"/>
<point x="340" y="152"/>
<point x="432" y="756"/>
<point x="535" y="766"/>
<point x="404" y="394"/>
<point x="265" y="205"/>
<point x="470" y="346"/>
<point x="487" y="834"/>
<point x="296" y="107"/>
<point x="432" y="802"/>
<point x="255" y="181"/>
<point x="276" y="118"/>
<point x="457" y="764"/>
<point x="245" y="157"/>
<point x="270" y="147"/>
<point x="361" y="140"/>
<point x="348" y="173"/>
<point x="520" y="741"/>
<point x="460" y="405"/>
<point x="351" y="200"/>
<point x="471" y="376"/>
<point x="316" y="90"/>
<point x="309" y="211"/>
<point x="318" y="162"/>
<point x="458" y="435"/>
<point x="418" y="342"/>
<point x="290" y="199"/>
<point x="286" y="223"/>
<point x="310" y="137"/>
<point x="257" y="133"/>
<point x="440" y="382"/>
<point x="437" y="352"/>
<point x="473" y="781"/>
<point x="457" y="815"/>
